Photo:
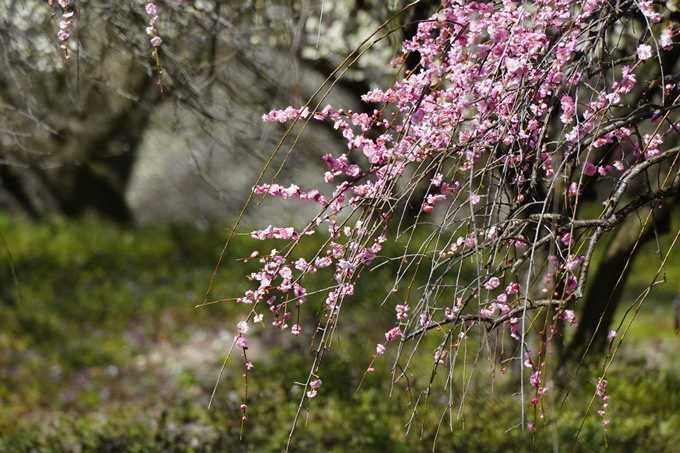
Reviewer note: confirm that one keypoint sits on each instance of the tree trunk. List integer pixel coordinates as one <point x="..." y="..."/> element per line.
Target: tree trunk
<point x="606" y="286"/>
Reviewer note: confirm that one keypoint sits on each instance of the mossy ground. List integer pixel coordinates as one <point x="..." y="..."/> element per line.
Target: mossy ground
<point x="103" y="351"/>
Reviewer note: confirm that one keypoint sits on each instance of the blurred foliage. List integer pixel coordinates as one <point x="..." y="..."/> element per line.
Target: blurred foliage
<point x="103" y="351"/>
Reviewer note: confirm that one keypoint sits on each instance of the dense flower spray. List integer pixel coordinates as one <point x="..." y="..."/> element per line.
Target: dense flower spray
<point x="495" y="134"/>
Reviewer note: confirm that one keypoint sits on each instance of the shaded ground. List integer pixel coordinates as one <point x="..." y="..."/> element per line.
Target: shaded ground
<point x="105" y="352"/>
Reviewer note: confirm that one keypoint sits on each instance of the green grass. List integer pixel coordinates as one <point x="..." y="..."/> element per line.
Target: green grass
<point x="104" y="351"/>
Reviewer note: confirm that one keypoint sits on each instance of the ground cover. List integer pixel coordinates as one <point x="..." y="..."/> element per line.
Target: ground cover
<point x="103" y="350"/>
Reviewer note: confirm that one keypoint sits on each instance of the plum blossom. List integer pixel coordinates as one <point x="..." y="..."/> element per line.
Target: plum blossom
<point x="601" y="387"/>
<point x="288" y="114"/>
<point x="644" y="52"/>
<point x="570" y="284"/>
<point x="490" y="78"/>
<point x="513" y="288"/>
<point x="568" y="109"/>
<point x="573" y="190"/>
<point x="242" y="327"/>
<point x="569" y="316"/>
<point x="241" y="342"/>
<point x="492" y="283"/>
<point x="392" y="334"/>
<point x="589" y="169"/>
<point x="402" y="312"/>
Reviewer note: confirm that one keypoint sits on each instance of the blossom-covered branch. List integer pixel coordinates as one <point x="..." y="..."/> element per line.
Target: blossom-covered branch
<point x="517" y="120"/>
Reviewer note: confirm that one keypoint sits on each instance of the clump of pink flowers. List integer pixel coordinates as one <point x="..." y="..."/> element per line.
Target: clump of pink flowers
<point x="65" y="25"/>
<point x="471" y="128"/>
<point x="601" y="391"/>
<point x="155" y="40"/>
<point x="151" y="30"/>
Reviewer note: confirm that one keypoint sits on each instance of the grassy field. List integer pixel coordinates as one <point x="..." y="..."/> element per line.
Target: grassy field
<point x="103" y="351"/>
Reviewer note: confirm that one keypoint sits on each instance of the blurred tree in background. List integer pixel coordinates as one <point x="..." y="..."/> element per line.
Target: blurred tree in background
<point x="72" y="130"/>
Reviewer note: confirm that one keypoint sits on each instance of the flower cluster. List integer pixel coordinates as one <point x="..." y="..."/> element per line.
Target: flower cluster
<point x="503" y="109"/>
<point x="151" y="30"/>
<point x="65" y="24"/>
<point x="601" y="391"/>
<point x="155" y="40"/>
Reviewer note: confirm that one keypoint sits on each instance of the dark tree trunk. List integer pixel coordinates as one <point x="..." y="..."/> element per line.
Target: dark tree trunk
<point x="606" y="286"/>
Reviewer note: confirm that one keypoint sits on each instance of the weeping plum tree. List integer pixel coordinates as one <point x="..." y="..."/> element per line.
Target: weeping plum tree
<point x="541" y="133"/>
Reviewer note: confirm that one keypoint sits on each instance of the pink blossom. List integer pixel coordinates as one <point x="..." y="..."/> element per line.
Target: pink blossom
<point x="570" y="284"/>
<point x="242" y="327"/>
<point x="392" y="334"/>
<point x="569" y="316"/>
<point x="573" y="262"/>
<point x="573" y="190"/>
<point x="241" y="342"/>
<point x="601" y="387"/>
<point x="402" y="312"/>
<point x="514" y="325"/>
<point x="568" y="109"/>
<point x="513" y="288"/>
<point x="288" y="114"/>
<point x="627" y="80"/>
<point x="486" y="312"/>
<point x="611" y="335"/>
<point x="644" y="51"/>
<point x="666" y="40"/>
<point x="589" y="169"/>
<point x="647" y="9"/>
<point x="380" y="349"/>
<point x="492" y="283"/>
<point x="323" y="262"/>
